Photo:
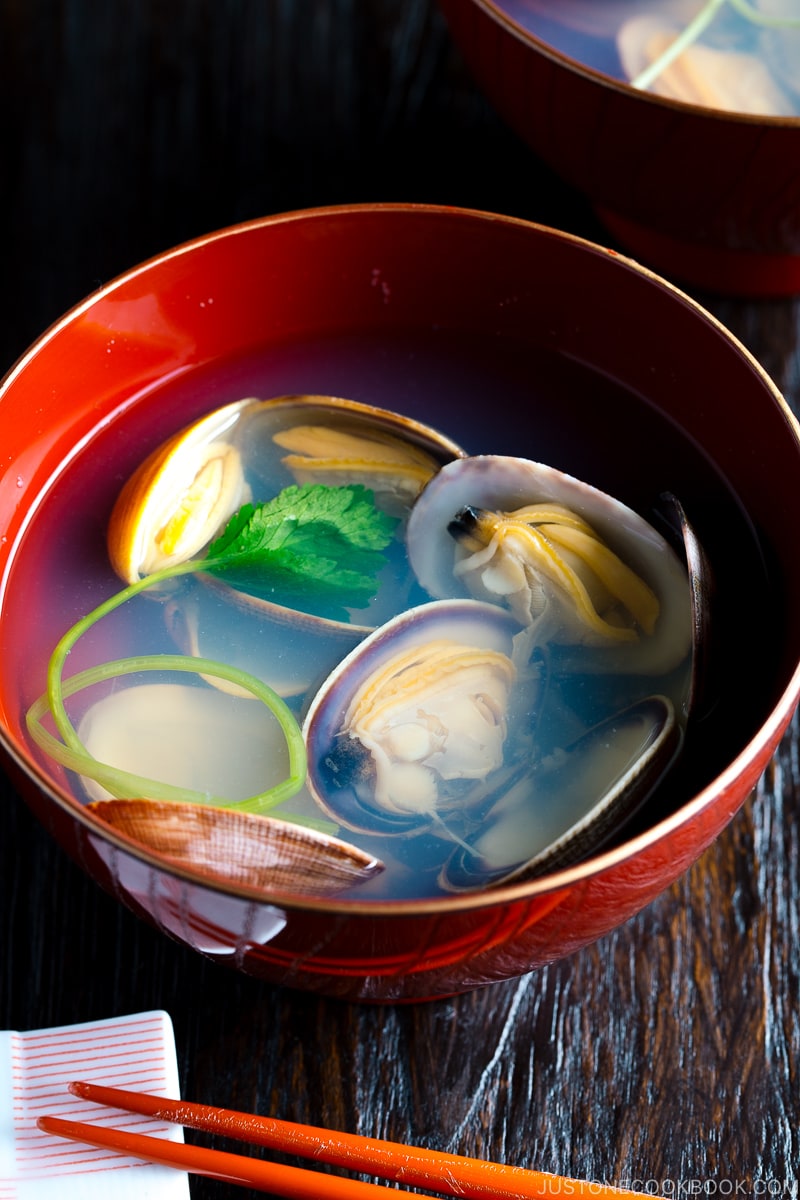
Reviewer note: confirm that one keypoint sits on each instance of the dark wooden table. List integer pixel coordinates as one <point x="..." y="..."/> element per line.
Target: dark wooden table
<point x="669" y="1052"/>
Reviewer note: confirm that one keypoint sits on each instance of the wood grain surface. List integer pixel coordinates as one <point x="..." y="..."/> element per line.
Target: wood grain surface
<point x="665" y="1057"/>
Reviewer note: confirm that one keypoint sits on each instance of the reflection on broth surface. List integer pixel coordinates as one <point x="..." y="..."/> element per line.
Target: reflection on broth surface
<point x="735" y="55"/>
<point x="529" y="714"/>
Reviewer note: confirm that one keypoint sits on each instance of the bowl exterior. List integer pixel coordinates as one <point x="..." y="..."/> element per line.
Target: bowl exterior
<point x="707" y="197"/>
<point x="383" y="957"/>
<point x="487" y="277"/>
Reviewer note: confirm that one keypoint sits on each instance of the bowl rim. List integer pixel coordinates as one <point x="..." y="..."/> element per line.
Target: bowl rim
<point x="762" y="743"/>
<point x="495" y="11"/>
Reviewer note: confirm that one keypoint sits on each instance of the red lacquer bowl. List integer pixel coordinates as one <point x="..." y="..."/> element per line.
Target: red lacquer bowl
<point x="707" y="197"/>
<point x="516" y="338"/>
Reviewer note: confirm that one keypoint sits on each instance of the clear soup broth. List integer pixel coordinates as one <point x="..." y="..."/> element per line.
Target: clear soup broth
<point x="492" y="400"/>
<point x="735" y="57"/>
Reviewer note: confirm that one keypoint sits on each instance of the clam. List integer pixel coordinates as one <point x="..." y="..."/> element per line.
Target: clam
<point x="180" y="497"/>
<point x="427" y="731"/>
<point x="241" y="848"/>
<point x="184" y="492"/>
<point x="716" y="77"/>
<point x="208" y="746"/>
<point x="340" y="442"/>
<point x="336" y="441"/>
<point x="583" y="572"/>
<point x="333" y="441"/>
<point x="571" y="802"/>
<point x="413" y="722"/>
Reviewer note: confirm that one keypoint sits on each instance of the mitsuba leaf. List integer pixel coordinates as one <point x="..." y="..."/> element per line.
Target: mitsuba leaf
<point x="314" y="547"/>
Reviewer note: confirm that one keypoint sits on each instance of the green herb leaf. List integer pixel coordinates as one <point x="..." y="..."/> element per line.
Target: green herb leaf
<point x="312" y="547"/>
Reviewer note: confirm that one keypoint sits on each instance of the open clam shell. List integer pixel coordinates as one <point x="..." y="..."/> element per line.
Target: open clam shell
<point x="570" y="804"/>
<point x="241" y="848"/>
<point x="186" y="490"/>
<point x="180" y="497"/>
<point x="413" y="721"/>
<point x="562" y="601"/>
<point x="335" y="441"/>
<point x="297" y="439"/>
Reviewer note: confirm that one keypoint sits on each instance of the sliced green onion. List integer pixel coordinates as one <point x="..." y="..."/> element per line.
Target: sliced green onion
<point x="697" y="26"/>
<point x="758" y="18"/>
<point x="71" y="753"/>
<point x="124" y="784"/>
<point x="684" y="39"/>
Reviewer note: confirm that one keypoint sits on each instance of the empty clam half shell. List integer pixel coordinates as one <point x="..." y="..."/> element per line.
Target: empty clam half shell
<point x="241" y="848"/>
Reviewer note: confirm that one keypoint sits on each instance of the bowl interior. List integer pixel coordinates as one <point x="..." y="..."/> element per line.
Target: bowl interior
<point x="510" y="338"/>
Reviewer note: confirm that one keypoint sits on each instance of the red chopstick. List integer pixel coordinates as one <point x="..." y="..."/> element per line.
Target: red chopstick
<point x="280" y="1180"/>
<point x="435" y="1170"/>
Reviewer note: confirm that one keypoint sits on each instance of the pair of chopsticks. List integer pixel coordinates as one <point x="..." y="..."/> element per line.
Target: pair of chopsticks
<point x="452" y="1174"/>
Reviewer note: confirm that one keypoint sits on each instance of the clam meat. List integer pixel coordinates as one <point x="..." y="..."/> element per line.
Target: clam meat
<point x="395" y="470"/>
<point x="542" y="550"/>
<point x="577" y="568"/>
<point x="179" y="498"/>
<point x="415" y="720"/>
<point x="335" y="441"/>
